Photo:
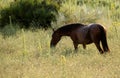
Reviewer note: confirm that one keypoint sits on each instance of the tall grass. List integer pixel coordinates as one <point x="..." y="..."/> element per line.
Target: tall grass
<point x="41" y="62"/>
<point x="27" y="53"/>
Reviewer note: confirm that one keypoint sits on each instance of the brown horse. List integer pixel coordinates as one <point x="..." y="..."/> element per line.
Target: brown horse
<point x="82" y="34"/>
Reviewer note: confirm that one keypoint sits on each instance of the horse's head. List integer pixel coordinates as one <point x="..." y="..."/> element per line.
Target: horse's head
<point x="55" y="38"/>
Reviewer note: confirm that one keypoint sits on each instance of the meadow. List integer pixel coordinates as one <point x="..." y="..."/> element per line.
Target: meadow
<point x="27" y="53"/>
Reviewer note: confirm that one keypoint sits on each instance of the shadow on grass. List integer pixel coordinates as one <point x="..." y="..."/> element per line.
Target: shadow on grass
<point x="67" y="52"/>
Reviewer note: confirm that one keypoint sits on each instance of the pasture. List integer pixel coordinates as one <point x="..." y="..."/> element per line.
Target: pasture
<point x="26" y="53"/>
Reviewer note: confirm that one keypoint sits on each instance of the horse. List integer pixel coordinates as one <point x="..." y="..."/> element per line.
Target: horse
<point x="82" y="34"/>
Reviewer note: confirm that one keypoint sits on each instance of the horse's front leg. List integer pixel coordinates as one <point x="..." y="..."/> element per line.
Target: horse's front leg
<point x="75" y="46"/>
<point x="84" y="46"/>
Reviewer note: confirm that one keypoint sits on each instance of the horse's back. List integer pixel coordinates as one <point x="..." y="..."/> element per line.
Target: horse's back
<point x="96" y="26"/>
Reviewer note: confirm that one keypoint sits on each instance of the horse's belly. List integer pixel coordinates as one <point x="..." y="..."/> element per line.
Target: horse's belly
<point x="81" y="36"/>
<point x="84" y="39"/>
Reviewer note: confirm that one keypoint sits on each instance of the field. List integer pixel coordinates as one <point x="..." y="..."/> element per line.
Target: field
<point x="27" y="54"/>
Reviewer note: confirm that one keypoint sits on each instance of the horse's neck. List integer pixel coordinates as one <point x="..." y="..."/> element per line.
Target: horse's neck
<point x="65" y="34"/>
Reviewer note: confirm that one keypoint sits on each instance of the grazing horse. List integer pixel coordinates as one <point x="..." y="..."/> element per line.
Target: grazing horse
<point x="82" y="34"/>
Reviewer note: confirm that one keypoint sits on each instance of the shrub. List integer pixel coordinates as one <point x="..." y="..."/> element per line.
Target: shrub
<point x="25" y="12"/>
<point x="72" y="11"/>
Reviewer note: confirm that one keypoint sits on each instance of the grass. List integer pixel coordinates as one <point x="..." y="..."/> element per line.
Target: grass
<point x="27" y="53"/>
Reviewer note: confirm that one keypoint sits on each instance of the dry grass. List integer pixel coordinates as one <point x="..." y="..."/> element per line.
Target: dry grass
<point x="28" y="55"/>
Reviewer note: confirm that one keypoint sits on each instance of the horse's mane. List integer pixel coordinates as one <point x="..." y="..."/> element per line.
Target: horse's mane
<point x="70" y="27"/>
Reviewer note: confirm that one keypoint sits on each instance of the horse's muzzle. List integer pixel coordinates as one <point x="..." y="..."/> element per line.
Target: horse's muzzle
<point x="52" y="46"/>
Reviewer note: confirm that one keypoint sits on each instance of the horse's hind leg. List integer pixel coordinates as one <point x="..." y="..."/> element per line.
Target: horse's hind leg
<point x="98" y="47"/>
<point x="105" y="45"/>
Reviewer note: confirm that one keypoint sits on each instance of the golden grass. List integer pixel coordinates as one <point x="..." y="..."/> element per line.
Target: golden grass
<point x="40" y="61"/>
<point x="27" y="54"/>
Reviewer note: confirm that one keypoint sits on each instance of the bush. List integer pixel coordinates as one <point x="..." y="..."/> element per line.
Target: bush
<point x="26" y="12"/>
<point x="72" y="11"/>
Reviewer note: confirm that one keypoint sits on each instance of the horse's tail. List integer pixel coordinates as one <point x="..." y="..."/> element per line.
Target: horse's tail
<point x="104" y="39"/>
